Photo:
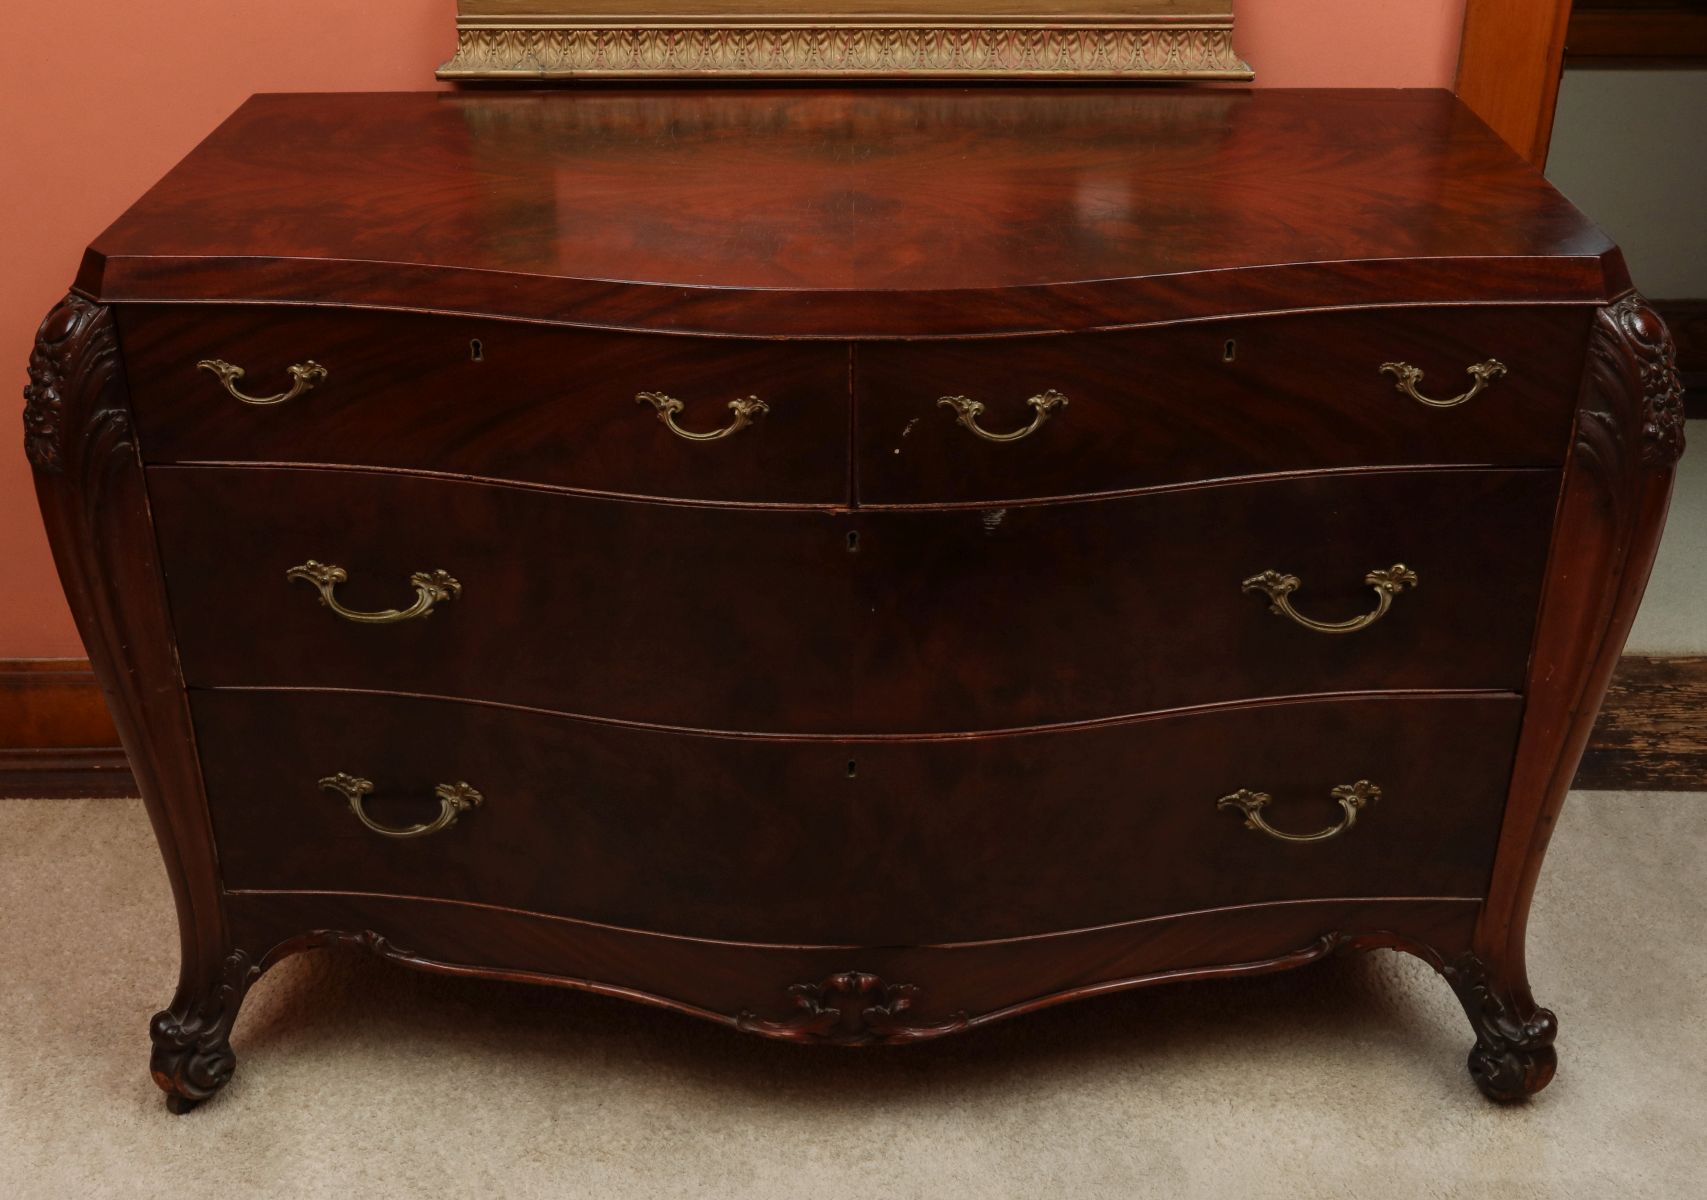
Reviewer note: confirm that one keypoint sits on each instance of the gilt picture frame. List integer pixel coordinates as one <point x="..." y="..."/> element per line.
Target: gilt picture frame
<point x="848" y="39"/>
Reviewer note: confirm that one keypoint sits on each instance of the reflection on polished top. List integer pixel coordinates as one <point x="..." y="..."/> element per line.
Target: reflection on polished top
<point x="854" y="211"/>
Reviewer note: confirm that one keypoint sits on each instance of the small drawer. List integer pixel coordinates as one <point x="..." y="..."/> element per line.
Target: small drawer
<point x="856" y="841"/>
<point x="505" y="400"/>
<point x="901" y="621"/>
<point x="1011" y="419"/>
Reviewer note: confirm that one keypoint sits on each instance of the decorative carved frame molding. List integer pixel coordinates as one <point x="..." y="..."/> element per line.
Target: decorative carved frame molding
<point x="935" y="39"/>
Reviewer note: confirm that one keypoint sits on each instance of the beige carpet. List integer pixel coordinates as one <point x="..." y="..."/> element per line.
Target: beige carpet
<point x="1672" y="619"/>
<point x="359" y="1079"/>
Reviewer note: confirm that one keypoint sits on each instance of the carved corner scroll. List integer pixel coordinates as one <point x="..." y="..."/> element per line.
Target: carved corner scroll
<point x="192" y="1056"/>
<point x="76" y="355"/>
<point x="854" y="1008"/>
<point x="1612" y="507"/>
<point x="79" y="437"/>
<point x="1513" y="1057"/>
<point x="1126" y="39"/>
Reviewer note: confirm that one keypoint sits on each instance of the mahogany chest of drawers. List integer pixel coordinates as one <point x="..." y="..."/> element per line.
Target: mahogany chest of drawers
<point x="854" y="565"/>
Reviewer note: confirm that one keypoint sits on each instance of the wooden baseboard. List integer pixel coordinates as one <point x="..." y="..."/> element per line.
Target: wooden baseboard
<point x="57" y="740"/>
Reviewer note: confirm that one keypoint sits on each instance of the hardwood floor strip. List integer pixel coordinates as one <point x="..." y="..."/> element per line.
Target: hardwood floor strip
<point x="1652" y="733"/>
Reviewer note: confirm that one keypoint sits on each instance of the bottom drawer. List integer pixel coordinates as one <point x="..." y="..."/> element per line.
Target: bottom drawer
<point x="856" y="840"/>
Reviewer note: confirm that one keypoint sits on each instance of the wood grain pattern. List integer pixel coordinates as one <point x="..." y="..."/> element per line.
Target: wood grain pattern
<point x="935" y="622"/>
<point x="892" y="637"/>
<point x="1213" y="399"/>
<point x="1509" y="62"/>
<point x="856" y="841"/>
<point x="1652" y="730"/>
<point x="539" y="404"/>
<point x="899" y="212"/>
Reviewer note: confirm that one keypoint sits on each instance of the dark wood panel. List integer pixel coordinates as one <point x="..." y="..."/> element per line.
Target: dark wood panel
<point x="892" y="212"/>
<point x="1636" y="33"/>
<point x="1028" y="614"/>
<point x="1652" y="731"/>
<point x="539" y="404"/>
<point x="931" y="621"/>
<point x="1687" y="320"/>
<point x="958" y="986"/>
<point x="856" y="841"/>
<point x="1214" y="400"/>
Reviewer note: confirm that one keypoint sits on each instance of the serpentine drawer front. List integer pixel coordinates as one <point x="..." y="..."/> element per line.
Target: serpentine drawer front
<point x="460" y="396"/>
<point x="854" y="565"/>
<point x="1214" y="399"/>
<point x="808" y="622"/>
<point x="854" y="841"/>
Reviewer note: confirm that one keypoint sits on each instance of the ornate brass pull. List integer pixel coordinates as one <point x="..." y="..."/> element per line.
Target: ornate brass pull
<point x="967" y="411"/>
<point x="668" y="406"/>
<point x="431" y="587"/>
<point x="1279" y="588"/>
<point x="454" y="800"/>
<point x="1352" y="798"/>
<point x="1483" y="373"/>
<point x="305" y="374"/>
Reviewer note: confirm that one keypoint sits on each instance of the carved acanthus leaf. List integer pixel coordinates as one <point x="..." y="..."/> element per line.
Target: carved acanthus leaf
<point x="192" y="1044"/>
<point x="75" y="353"/>
<point x="1513" y="1056"/>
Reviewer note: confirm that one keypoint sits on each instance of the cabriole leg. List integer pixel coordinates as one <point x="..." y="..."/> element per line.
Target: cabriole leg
<point x="1513" y="1057"/>
<point x="192" y="1056"/>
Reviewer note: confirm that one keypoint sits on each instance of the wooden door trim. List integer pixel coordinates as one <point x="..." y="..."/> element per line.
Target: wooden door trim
<point x="1508" y="68"/>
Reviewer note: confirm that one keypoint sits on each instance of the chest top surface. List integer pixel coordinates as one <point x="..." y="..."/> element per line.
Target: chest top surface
<point x="855" y="212"/>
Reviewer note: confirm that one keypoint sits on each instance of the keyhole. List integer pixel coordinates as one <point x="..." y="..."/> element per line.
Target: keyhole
<point x="476" y="351"/>
<point x="853" y="541"/>
<point x="1229" y="351"/>
<point x="853" y="768"/>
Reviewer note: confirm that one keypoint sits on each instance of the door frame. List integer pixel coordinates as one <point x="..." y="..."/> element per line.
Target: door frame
<point x="1509" y="63"/>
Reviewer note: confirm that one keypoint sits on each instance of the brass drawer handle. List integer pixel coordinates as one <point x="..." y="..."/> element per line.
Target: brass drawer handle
<point x="668" y="406"/>
<point x="454" y="800"/>
<point x="305" y="374"/>
<point x="431" y="587"/>
<point x="1483" y="373"/>
<point x="1279" y="588"/>
<point x="966" y="411"/>
<point x="1352" y="797"/>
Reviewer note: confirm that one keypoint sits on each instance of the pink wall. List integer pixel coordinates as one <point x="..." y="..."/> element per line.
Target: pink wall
<point x="100" y="98"/>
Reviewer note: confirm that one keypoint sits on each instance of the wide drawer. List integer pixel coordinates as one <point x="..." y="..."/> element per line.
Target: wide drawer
<point x="465" y="396"/>
<point x="853" y="841"/>
<point x="1213" y="400"/>
<point x="872" y="622"/>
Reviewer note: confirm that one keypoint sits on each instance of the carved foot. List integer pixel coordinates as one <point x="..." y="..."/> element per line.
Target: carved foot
<point x="1513" y="1057"/>
<point x="192" y="1056"/>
